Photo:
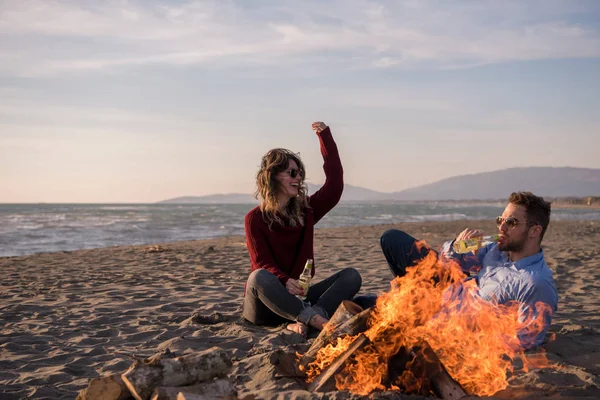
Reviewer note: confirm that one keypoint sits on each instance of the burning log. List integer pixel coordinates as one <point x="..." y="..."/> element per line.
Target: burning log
<point x="347" y="320"/>
<point x="346" y="310"/>
<point x="427" y="373"/>
<point x="144" y="376"/>
<point x="425" y="368"/>
<point x="442" y="383"/>
<point x="338" y="363"/>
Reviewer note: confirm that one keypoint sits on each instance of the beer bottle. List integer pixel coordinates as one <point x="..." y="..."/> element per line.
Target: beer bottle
<point x="305" y="278"/>
<point x="473" y="244"/>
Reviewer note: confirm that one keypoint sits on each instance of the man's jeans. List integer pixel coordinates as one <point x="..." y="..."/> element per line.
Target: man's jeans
<point x="400" y="251"/>
<point x="267" y="301"/>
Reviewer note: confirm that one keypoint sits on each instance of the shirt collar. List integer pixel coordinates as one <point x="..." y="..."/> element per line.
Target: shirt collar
<point x="524" y="262"/>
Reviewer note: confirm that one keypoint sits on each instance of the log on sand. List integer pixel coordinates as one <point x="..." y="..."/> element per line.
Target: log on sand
<point x="218" y="389"/>
<point x="191" y="396"/>
<point x="144" y="376"/>
<point x="110" y="387"/>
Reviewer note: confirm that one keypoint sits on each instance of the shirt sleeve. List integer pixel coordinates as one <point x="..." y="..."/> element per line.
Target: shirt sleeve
<point x="259" y="248"/>
<point x="468" y="262"/>
<point x="537" y="305"/>
<point x="330" y="193"/>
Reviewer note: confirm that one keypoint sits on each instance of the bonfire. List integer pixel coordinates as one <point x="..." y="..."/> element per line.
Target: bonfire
<point x="434" y="311"/>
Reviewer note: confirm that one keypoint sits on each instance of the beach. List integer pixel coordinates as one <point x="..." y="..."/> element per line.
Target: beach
<point x="67" y="317"/>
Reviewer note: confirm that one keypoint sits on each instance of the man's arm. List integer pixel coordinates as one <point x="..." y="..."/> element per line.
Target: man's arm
<point x="468" y="262"/>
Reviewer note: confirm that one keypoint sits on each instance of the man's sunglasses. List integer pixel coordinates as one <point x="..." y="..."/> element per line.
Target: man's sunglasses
<point x="511" y="222"/>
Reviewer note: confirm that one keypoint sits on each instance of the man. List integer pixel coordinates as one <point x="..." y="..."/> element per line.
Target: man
<point x="513" y="269"/>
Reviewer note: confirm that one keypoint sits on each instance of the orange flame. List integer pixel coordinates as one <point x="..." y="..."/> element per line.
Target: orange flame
<point x="476" y="340"/>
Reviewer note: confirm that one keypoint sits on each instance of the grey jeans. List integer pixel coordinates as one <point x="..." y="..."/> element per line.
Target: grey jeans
<point x="267" y="301"/>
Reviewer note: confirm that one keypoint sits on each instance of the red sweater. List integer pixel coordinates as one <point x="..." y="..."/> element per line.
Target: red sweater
<point x="278" y="249"/>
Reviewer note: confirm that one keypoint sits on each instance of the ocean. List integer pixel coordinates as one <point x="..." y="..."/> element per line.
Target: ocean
<point x="34" y="228"/>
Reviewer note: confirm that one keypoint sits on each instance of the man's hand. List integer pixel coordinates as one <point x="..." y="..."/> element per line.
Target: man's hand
<point x="293" y="287"/>
<point x="469" y="233"/>
<point x="318" y="126"/>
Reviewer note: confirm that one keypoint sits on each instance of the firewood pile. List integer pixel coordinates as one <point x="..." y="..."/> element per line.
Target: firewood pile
<point x="190" y="377"/>
<point x="431" y="377"/>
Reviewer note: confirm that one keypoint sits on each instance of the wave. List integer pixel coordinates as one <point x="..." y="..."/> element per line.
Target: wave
<point x="27" y="229"/>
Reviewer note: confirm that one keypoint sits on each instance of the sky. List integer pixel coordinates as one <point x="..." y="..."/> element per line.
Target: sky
<point x="141" y="101"/>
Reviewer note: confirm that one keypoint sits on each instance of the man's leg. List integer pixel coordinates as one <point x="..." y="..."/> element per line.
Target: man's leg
<point x="328" y="294"/>
<point x="400" y="251"/>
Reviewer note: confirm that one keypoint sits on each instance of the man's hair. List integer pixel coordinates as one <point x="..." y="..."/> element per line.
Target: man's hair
<point x="536" y="208"/>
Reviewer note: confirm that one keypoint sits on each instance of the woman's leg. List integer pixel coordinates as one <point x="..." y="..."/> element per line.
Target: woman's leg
<point x="400" y="251"/>
<point x="328" y="294"/>
<point x="266" y="297"/>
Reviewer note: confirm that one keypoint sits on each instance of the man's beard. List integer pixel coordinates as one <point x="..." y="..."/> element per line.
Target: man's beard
<point x="514" y="246"/>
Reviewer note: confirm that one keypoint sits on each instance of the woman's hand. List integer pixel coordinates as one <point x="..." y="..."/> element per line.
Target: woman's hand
<point x="319" y="126"/>
<point x="293" y="287"/>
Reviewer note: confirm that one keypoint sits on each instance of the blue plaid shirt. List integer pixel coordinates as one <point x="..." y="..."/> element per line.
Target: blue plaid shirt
<point x="527" y="281"/>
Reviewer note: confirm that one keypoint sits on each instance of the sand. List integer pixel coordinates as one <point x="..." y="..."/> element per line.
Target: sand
<point x="68" y="317"/>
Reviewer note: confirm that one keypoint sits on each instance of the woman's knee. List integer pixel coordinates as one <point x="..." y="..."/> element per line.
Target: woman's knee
<point x="260" y="278"/>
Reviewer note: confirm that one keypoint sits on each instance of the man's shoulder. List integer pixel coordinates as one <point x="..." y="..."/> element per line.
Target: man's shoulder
<point x="540" y="270"/>
<point x="538" y="276"/>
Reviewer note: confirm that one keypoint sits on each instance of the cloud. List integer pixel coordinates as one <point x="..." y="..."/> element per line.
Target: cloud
<point x="49" y="37"/>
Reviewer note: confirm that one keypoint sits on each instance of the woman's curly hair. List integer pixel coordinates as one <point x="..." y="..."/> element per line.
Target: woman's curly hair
<point x="267" y="187"/>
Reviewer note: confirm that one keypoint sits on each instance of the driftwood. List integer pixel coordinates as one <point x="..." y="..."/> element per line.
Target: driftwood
<point x="187" y="396"/>
<point x="110" y="387"/>
<point x="191" y="396"/>
<point x="144" y="376"/>
<point x="353" y="325"/>
<point x="337" y="364"/>
<point x="218" y="389"/>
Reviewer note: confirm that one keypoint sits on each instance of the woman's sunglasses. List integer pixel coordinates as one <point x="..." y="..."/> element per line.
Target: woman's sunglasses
<point x="293" y="172"/>
<point x="511" y="222"/>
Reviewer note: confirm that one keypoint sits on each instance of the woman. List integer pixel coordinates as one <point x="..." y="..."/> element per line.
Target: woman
<point x="279" y="237"/>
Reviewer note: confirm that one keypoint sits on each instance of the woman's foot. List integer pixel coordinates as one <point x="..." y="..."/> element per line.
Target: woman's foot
<point x="316" y="322"/>
<point x="299" y="328"/>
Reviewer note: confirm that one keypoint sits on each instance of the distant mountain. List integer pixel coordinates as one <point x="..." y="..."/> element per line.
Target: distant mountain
<point x="351" y="193"/>
<point x="543" y="181"/>
<point x="354" y="193"/>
